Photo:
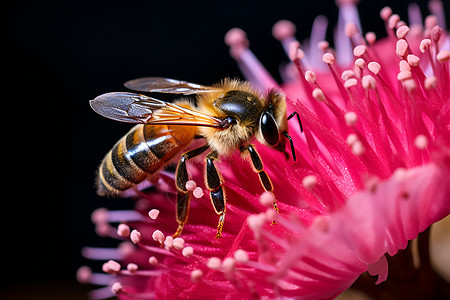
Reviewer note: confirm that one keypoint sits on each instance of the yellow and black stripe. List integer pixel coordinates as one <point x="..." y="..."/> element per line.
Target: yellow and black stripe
<point x="142" y="151"/>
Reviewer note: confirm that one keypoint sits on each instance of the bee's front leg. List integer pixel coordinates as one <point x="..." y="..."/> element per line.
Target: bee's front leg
<point x="214" y="184"/>
<point x="259" y="168"/>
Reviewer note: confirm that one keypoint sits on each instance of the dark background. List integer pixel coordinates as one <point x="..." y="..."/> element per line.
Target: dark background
<point x="57" y="55"/>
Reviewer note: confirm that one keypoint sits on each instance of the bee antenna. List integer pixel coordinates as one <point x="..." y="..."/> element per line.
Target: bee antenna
<point x="292" y="145"/>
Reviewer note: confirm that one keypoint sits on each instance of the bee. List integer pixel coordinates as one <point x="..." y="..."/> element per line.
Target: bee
<point x="227" y="115"/>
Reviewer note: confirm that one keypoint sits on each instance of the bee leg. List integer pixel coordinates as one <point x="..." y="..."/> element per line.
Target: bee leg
<point x="214" y="185"/>
<point x="259" y="168"/>
<point x="183" y="195"/>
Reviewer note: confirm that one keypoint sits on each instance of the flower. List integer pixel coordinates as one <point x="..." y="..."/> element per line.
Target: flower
<point x="372" y="172"/>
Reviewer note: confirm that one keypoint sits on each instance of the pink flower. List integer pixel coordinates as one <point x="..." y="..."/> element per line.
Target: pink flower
<point x="372" y="172"/>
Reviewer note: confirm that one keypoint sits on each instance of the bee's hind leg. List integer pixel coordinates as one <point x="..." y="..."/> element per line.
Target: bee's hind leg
<point x="183" y="195"/>
<point x="214" y="184"/>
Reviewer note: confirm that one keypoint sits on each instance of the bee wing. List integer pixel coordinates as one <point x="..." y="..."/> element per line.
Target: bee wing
<point x="136" y="108"/>
<point x="166" y="85"/>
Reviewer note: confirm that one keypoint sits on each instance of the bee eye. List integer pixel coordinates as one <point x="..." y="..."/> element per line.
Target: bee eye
<point x="269" y="129"/>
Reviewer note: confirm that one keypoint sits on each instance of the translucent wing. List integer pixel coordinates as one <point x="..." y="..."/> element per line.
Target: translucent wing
<point x="166" y="85"/>
<point x="135" y="108"/>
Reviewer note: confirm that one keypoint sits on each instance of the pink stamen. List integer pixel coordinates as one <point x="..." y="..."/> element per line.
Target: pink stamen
<point x="374" y="67"/>
<point x="135" y="236"/>
<point x="252" y="68"/>
<point x="132" y="267"/>
<point x="283" y="29"/>
<point x="403" y="75"/>
<point x="430" y="83"/>
<point x="284" y="32"/>
<point x="168" y="242"/>
<point x="310" y="76"/>
<point x="347" y="74"/>
<point x="360" y="64"/>
<point x="409" y="84"/>
<point x="323" y="46"/>
<point x="228" y="267"/>
<point x="236" y="38"/>
<point x="153" y="214"/>
<point x="402" y="31"/>
<point x="385" y="13"/>
<point x="421" y="142"/>
<point x="404" y="65"/>
<point x="295" y="52"/>
<point x="351" y="139"/>
<point x="318" y="33"/>
<point x="256" y="222"/>
<point x="359" y="50"/>
<point x="368" y="82"/>
<point x="123" y="230"/>
<point x="413" y="60"/>
<point x="158" y="236"/>
<point x="178" y="243"/>
<point x="100" y="215"/>
<point x="437" y="10"/>
<point x="153" y="261"/>
<point x="266" y="199"/>
<point x="351" y="118"/>
<point x="350" y="83"/>
<point x="103" y="229"/>
<point x="111" y="267"/>
<point x="328" y="58"/>
<point x="187" y="251"/>
<point x="401" y="48"/>
<point x="241" y="256"/>
<point x="393" y="20"/>
<point x="309" y="182"/>
<point x="117" y="288"/>
<point x="191" y="185"/>
<point x="351" y="29"/>
<point x="425" y="44"/>
<point x="435" y="34"/>
<point x="348" y="13"/>
<point x="318" y="95"/>
<point x="198" y="192"/>
<point x="125" y="249"/>
<point x="214" y="263"/>
<point x="196" y="275"/>
<point x="358" y="148"/>
<point x="371" y="37"/>
<point x="84" y="274"/>
<point x="443" y="56"/>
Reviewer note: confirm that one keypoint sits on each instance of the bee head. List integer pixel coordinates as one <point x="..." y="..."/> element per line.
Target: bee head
<point x="273" y="122"/>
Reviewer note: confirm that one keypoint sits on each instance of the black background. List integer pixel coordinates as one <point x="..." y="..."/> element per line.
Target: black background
<point x="57" y="55"/>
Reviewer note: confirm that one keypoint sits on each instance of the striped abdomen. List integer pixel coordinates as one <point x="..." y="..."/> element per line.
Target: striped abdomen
<point x="142" y="151"/>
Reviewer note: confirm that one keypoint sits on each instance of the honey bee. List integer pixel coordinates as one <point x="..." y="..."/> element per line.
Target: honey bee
<point x="227" y="115"/>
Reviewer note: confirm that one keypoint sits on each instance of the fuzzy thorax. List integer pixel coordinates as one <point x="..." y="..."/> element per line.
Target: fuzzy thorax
<point x="226" y="141"/>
